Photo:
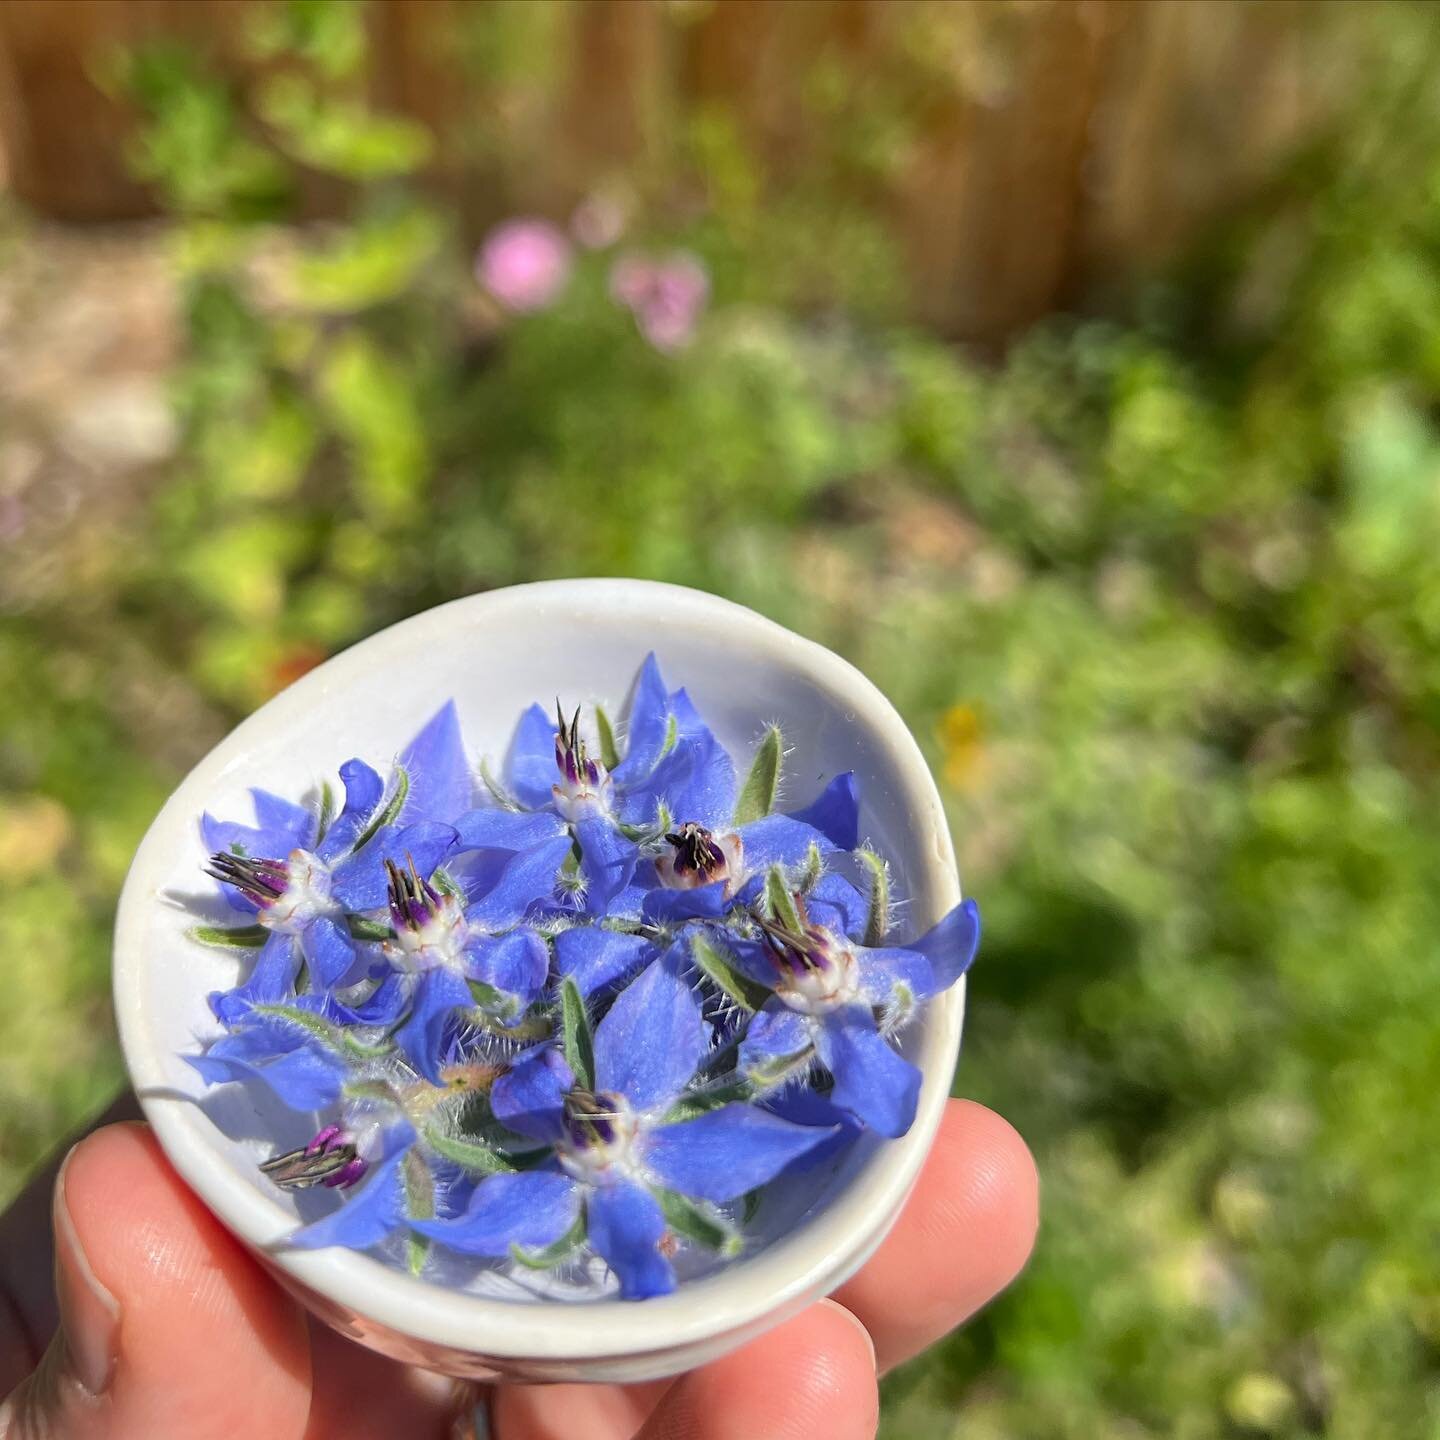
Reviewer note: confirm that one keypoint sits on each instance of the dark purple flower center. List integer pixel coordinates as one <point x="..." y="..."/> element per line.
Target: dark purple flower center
<point x="811" y="950"/>
<point x="262" y="882"/>
<point x="570" y="757"/>
<point x="697" y="852"/>
<point x="414" y="902"/>
<point x="591" y="1118"/>
<point x="330" y="1159"/>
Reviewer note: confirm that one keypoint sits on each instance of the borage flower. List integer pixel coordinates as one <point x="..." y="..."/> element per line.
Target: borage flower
<point x="303" y="874"/>
<point x="554" y="783"/>
<point x="838" y="1000"/>
<point x="480" y="958"/>
<point x="622" y="1170"/>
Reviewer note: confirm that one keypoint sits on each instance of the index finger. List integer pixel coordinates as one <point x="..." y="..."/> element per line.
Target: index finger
<point x="965" y="1233"/>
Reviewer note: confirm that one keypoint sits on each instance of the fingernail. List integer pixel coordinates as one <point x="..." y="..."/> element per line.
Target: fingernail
<point x="89" y="1313"/>
<point x="855" y="1321"/>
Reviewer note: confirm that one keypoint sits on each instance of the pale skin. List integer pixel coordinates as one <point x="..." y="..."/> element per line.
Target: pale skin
<point x="168" y="1330"/>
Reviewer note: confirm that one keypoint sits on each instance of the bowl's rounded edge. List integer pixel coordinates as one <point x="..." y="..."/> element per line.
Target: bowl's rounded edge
<point x="810" y="1263"/>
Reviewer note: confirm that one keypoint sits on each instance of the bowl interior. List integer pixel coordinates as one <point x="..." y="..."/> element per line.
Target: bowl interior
<point x="496" y="654"/>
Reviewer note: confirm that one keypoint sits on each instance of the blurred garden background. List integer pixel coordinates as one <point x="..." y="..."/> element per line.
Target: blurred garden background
<point x="1072" y="368"/>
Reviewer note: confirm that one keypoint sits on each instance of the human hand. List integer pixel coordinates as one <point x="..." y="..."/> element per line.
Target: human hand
<point x="169" y="1330"/>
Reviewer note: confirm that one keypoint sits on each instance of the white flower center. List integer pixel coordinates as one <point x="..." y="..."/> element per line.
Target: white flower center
<point x="582" y="800"/>
<point x="306" y="898"/>
<point x="600" y="1147"/>
<point x="816" y="990"/>
<point x="439" y="942"/>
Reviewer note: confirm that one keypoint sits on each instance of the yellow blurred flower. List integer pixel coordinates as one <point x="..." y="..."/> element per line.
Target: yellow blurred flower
<point x="961" y="733"/>
<point x="33" y="831"/>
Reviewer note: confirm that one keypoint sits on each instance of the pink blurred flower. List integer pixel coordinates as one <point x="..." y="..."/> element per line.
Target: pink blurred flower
<point x="524" y="264"/>
<point x="667" y="296"/>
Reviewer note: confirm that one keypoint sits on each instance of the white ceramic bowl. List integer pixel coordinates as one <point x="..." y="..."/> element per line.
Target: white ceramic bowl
<point x="495" y="654"/>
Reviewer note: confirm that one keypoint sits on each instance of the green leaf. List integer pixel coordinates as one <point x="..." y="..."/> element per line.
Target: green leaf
<point x="757" y="797"/>
<point x="419" y="1205"/>
<point x="694" y="1103"/>
<point x="781" y="1068"/>
<point x="811" y="870"/>
<point x="471" y="1155"/>
<point x="380" y="1090"/>
<point x="780" y="902"/>
<point x="578" y="1043"/>
<point x="609" y="755"/>
<point x="498" y="793"/>
<point x="878" y="874"/>
<point x="241" y="937"/>
<point x="531" y="1028"/>
<point x="363" y="929"/>
<point x="487" y="997"/>
<point x="899" y="1009"/>
<point x="552" y="1254"/>
<point x="716" y="966"/>
<point x="701" y="1224"/>
<point x="386" y="814"/>
<point x="333" y="1037"/>
<point x="327" y="810"/>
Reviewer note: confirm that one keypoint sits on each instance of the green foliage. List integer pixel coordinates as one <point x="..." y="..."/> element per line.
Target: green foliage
<point x="1156" y="592"/>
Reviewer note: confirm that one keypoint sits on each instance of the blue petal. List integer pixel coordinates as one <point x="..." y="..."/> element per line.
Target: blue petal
<point x="594" y="957"/>
<point x="836" y="903"/>
<point x="262" y="842"/>
<point x="532" y="1209"/>
<point x="882" y="970"/>
<point x="626" y="1229"/>
<point x="607" y="861"/>
<point x="526" y="883"/>
<point x="651" y="1042"/>
<point x="695" y="781"/>
<point x="530" y="772"/>
<point x="329" y="951"/>
<point x="516" y="965"/>
<point x="383" y="1006"/>
<point x="272" y="980"/>
<point x="776" y="1033"/>
<point x="441" y="785"/>
<point x="950" y="947"/>
<point x="704" y="902"/>
<point x="363" y="792"/>
<point x="359" y="881"/>
<point x="374" y="1208"/>
<point x="256" y="1044"/>
<point x="686" y="716"/>
<point x="805" y="1107"/>
<point x="835" y="812"/>
<point x="307" y="1078"/>
<point x="421" y="1038"/>
<point x="647" y="726"/>
<point x="627" y="904"/>
<point x="780" y="840"/>
<point x="528" y="1097"/>
<point x="755" y="961"/>
<point x="722" y="1154"/>
<point x="496" y="829"/>
<point x="871" y="1080"/>
<point x="278" y="815"/>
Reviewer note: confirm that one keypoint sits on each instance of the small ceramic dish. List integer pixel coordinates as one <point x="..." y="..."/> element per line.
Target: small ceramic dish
<point x="495" y="654"/>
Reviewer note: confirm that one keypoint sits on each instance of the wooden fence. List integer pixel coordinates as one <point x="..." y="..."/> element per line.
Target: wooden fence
<point x="1045" y="146"/>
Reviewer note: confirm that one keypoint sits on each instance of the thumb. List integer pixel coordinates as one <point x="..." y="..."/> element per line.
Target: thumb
<point x="167" y="1327"/>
